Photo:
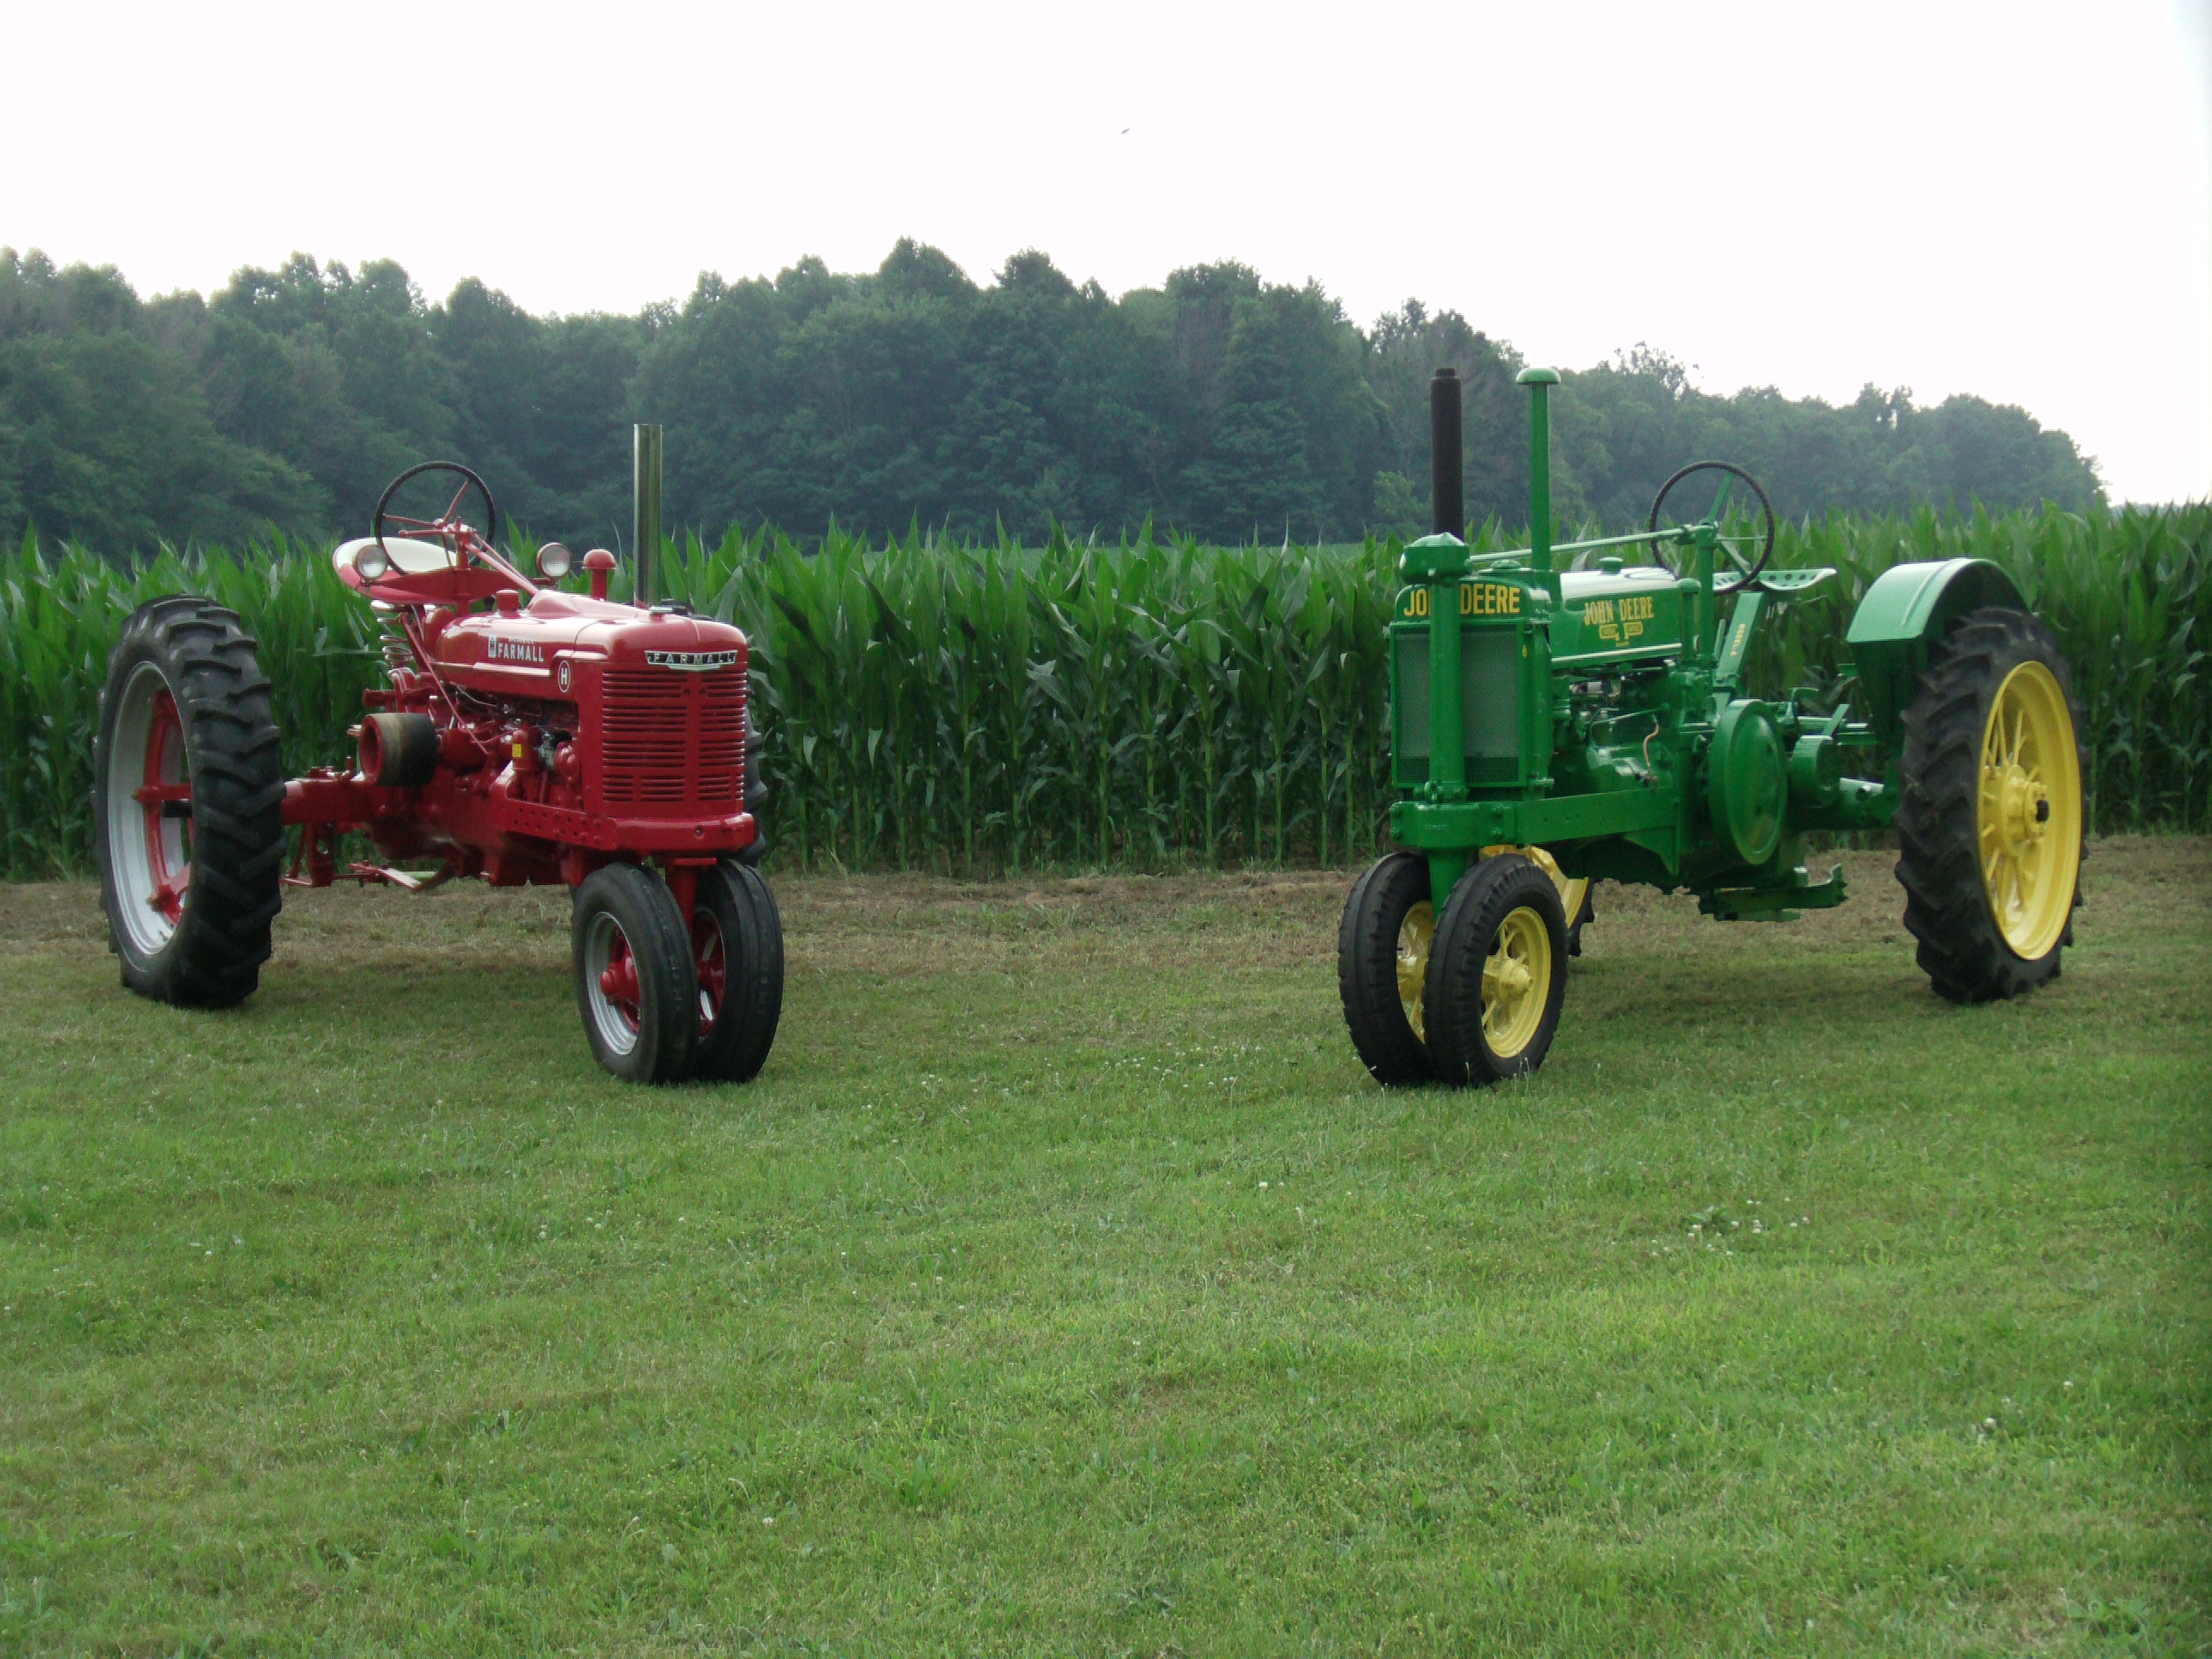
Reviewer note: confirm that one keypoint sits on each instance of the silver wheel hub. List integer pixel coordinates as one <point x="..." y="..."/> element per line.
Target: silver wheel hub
<point x="144" y="845"/>
<point x="607" y="960"/>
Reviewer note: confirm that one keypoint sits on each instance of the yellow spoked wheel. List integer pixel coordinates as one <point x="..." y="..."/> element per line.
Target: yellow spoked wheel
<point x="1574" y="890"/>
<point x="1383" y="949"/>
<point x="1575" y="902"/>
<point x="1989" y="828"/>
<point x="2027" y="813"/>
<point x="1414" y="933"/>
<point x="1516" y="981"/>
<point x="1497" y="973"/>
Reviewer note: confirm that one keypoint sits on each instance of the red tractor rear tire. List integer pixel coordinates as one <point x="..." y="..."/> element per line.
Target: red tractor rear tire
<point x="736" y="941"/>
<point x="636" y="985"/>
<point x="187" y="804"/>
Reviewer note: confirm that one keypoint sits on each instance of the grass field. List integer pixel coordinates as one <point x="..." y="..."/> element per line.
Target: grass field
<point x="1064" y="1287"/>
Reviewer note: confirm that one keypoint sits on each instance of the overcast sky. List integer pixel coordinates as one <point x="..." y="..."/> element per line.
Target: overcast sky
<point x="2012" y="199"/>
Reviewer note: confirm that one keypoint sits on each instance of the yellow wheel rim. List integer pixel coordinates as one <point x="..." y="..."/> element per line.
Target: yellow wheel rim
<point x="1414" y="933"/>
<point x="1572" y="891"/>
<point x="1571" y="888"/>
<point x="2027" y="813"/>
<point x="1516" y="982"/>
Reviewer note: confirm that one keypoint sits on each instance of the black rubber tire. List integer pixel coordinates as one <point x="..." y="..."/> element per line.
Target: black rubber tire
<point x="1459" y="1052"/>
<point x="736" y="903"/>
<point x="638" y="904"/>
<point x="755" y="787"/>
<point x="1963" y="952"/>
<point x="1581" y="919"/>
<point x="1367" y="968"/>
<point x="206" y="661"/>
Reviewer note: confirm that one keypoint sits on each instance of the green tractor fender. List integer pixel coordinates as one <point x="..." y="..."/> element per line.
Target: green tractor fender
<point x="1907" y="610"/>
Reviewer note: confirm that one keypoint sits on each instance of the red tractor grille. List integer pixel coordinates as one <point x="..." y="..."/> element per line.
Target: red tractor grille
<point x="671" y="742"/>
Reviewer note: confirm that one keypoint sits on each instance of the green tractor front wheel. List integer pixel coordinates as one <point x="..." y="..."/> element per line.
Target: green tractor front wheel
<point x="1469" y="999"/>
<point x="1382" y="966"/>
<point x="1498" y="974"/>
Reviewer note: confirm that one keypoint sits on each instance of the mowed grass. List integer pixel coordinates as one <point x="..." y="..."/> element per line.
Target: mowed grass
<point x="1064" y="1287"/>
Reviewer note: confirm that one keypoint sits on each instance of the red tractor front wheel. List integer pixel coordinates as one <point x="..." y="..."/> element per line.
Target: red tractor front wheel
<point x="636" y="986"/>
<point x="736" y="943"/>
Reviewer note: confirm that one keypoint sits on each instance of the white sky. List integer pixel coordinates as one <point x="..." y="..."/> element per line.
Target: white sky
<point x="2012" y="199"/>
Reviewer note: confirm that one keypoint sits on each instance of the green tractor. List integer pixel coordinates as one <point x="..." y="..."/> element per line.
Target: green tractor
<point x="1553" y="727"/>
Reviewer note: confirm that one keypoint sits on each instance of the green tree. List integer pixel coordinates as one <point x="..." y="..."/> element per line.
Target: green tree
<point x="104" y="435"/>
<point x="1408" y="346"/>
<point x="1217" y="405"/>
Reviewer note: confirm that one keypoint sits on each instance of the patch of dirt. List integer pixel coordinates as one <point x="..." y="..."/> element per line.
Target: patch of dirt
<point x="51" y="918"/>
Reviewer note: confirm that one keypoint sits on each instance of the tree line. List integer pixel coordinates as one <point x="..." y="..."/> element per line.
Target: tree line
<point x="1217" y="405"/>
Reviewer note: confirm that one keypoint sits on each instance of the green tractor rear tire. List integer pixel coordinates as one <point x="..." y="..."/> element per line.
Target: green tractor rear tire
<point x="1990" y="827"/>
<point x="1498" y="974"/>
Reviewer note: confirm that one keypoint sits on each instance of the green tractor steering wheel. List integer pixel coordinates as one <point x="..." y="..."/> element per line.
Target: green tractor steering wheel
<point x="1748" y="551"/>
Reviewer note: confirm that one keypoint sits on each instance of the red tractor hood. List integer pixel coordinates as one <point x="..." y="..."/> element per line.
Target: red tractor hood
<point x="521" y="652"/>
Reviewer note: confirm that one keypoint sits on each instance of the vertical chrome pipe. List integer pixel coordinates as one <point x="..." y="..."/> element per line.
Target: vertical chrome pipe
<point x="645" y="510"/>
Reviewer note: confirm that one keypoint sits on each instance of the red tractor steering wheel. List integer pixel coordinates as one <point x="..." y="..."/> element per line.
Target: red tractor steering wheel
<point x="448" y="527"/>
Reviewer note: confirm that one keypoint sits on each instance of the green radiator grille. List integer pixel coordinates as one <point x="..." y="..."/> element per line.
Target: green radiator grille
<point x="1489" y="703"/>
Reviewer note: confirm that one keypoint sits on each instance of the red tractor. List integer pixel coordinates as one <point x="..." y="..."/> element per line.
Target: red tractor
<point x="525" y="735"/>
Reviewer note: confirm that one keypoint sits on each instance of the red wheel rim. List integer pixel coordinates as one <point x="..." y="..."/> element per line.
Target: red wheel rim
<point x="618" y="979"/>
<point x="147" y="858"/>
<point x="165" y="781"/>
<point x="713" y="965"/>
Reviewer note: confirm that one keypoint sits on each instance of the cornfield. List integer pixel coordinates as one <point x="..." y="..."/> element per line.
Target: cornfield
<point x="971" y="707"/>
